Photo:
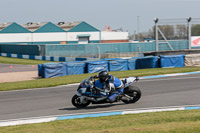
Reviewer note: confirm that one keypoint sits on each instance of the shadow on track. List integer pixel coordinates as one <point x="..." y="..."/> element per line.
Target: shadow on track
<point x="95" y="106"/>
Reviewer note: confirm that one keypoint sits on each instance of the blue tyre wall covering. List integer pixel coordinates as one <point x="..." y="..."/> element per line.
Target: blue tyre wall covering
<point x="40" y="70"/>
<point x="132" y="64"/>
<point x="111" y="59"/>
<point x="48" y="70"/>
<point x="73" y="68"/>
<point x="147" y="62"/>
<point x="96" y="66"/>
<point x="52" y="70"/>
<point x="172" y="61"/>
<point x="118" y="65"/>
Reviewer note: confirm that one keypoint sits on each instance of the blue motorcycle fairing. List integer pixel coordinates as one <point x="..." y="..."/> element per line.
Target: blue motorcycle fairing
<point x="117" y="82"/>
<point x="99" y="84"/>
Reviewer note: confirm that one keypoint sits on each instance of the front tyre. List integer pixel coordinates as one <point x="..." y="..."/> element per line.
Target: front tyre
<point x="77" y="103"/>
<point x="134" y="93"/>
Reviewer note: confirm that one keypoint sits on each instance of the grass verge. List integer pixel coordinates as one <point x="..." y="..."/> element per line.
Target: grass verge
<point x="50" y="82"/>
<point x="159" y="122"/>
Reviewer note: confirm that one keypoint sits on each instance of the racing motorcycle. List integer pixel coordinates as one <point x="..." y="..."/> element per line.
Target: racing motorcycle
<point x="88" y="93"/>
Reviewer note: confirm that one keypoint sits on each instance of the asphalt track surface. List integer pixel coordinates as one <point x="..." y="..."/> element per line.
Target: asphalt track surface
<point x="157" y="92"/>
<point x="6" y="68"/>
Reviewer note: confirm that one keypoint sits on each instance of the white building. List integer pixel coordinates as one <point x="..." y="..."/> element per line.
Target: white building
<point x="60" y="33"/>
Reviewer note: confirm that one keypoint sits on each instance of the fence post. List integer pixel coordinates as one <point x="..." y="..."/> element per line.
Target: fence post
<point x="156" y="34"/>
<point x="189" y="32"/>
<point x="99" y="51"/>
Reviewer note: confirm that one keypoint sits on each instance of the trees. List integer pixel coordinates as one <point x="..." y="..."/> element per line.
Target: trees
<point x="195" y="30"/>
<point x="171" y="32"/>
<point x="181" y="32"/>
<point x="167" y="30"/>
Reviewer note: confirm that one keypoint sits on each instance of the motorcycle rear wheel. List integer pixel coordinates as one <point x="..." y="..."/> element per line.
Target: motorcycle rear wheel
<point x="76" y="102"/>
<point x="134" y="92"/>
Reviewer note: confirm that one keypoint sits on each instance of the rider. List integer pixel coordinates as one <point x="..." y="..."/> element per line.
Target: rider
<point x="107" y="81"/>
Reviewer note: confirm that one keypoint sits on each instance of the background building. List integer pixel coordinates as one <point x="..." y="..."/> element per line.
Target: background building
<point x="60" y="33"/>
<point x="13" y="33"/>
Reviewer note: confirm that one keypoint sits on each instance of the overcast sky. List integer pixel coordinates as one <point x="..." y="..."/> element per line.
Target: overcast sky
<point x="115" y="13"/>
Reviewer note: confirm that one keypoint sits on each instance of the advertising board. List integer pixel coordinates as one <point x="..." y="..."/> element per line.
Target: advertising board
<point x="195" y="41"/>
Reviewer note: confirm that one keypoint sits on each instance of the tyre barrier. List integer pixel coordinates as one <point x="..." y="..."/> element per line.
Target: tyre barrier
<point x="112" y="64"/>
<point x="72" y="66"/>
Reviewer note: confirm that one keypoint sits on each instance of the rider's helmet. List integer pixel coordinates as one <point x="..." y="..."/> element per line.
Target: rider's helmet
<point x="103" y="76"/>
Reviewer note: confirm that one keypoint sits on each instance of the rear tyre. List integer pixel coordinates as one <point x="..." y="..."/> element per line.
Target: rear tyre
<point x="134" y="92"/>
<point x="77" y="103"/>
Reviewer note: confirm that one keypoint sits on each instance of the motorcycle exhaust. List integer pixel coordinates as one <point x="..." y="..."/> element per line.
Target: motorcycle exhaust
<point x="96" y="99"/>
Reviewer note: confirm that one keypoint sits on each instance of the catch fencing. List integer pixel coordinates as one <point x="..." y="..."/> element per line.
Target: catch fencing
<point x="97" y="50"/>
<point x="109" y="50"/>
<point x="167" y="30"/>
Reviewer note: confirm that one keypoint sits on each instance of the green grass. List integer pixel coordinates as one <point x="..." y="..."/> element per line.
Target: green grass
<point x="159" y="122"/>
<point x="8" y="60"/>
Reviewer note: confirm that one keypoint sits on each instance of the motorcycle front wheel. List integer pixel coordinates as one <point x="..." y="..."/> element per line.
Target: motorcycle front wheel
<point x="133" y="92"/>
<point x="77" y="103"/>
